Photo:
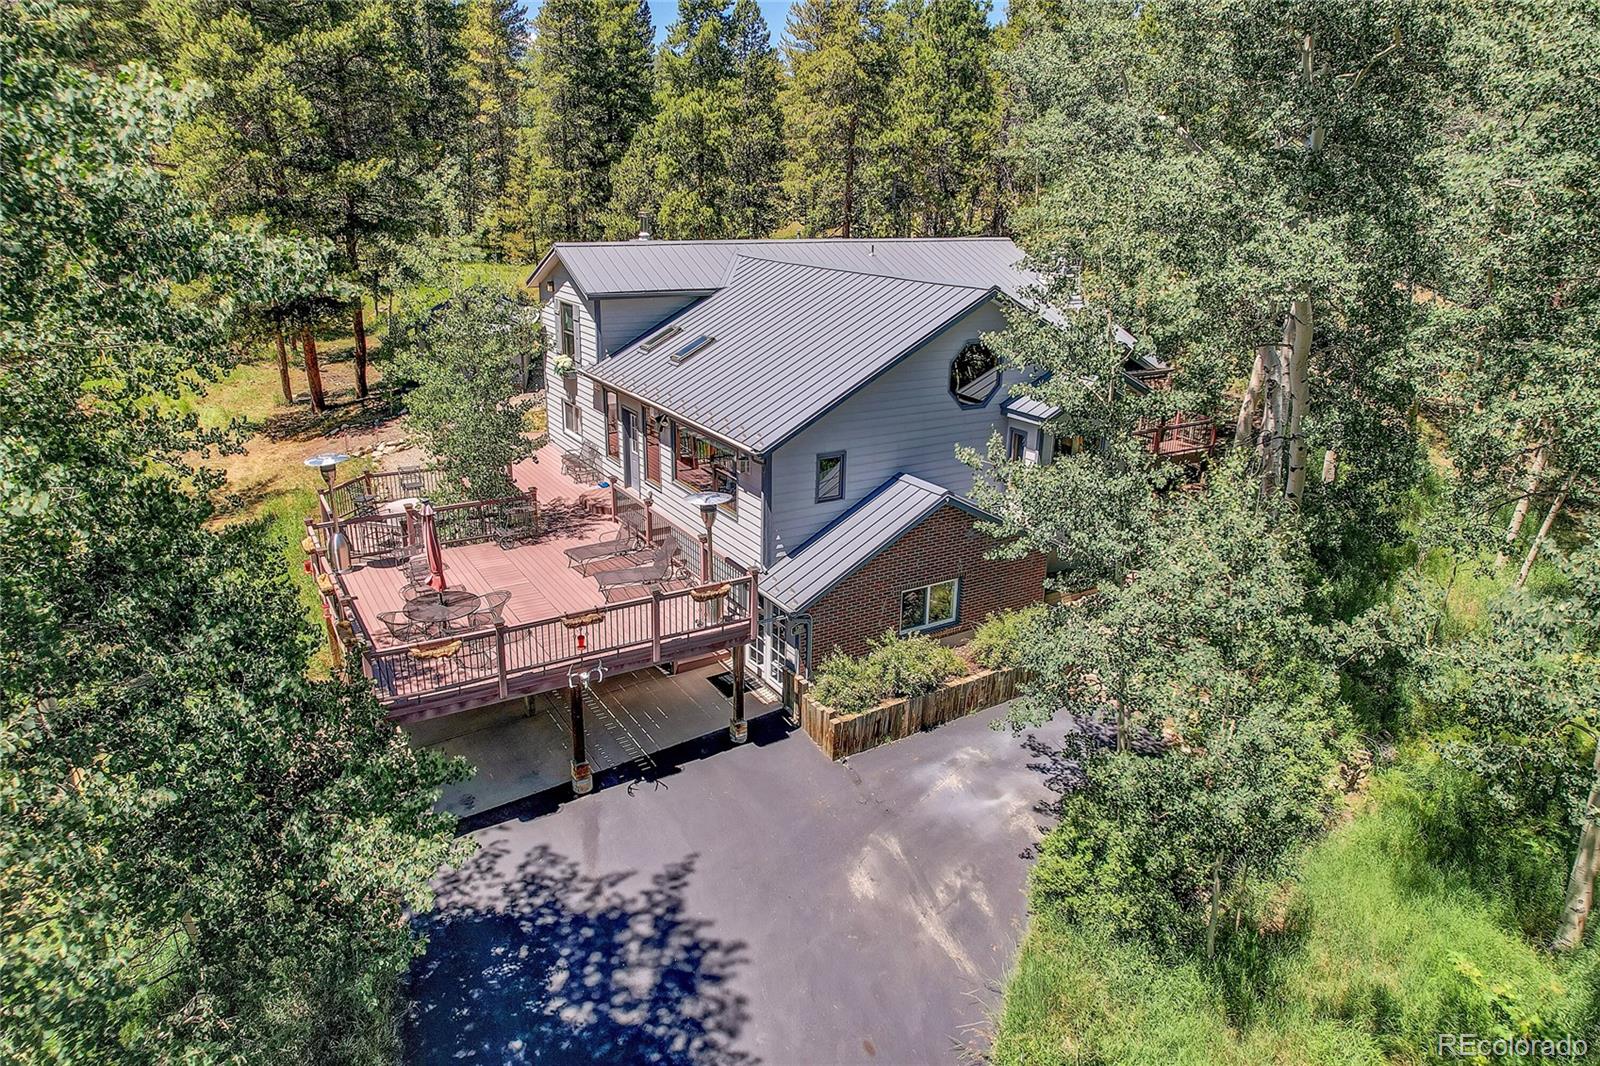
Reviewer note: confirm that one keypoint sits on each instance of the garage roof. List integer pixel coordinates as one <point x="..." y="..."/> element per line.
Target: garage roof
<point x="847" y="543"/>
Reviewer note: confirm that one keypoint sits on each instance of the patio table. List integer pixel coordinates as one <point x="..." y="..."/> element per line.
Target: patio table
<point x="436" y="610"/>
<point x="397" y="508"/>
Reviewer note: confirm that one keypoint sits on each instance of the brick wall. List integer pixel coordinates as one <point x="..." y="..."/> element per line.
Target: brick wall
<point x="942" y="546"/>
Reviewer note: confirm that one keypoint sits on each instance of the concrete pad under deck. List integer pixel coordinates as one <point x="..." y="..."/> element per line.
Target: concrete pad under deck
<point x="520" y="749"/>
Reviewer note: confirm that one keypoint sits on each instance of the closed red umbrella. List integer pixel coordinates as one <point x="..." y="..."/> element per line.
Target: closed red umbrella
<point x="435" y="554"/>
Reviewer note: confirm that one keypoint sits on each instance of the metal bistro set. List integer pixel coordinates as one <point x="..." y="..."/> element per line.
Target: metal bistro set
<point x="433" y="610"/>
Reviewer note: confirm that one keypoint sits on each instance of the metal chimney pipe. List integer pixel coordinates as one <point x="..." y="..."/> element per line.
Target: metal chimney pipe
<point x="646" y="223"/>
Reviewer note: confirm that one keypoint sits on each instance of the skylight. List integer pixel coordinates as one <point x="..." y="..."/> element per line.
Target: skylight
<point x="700" y="343"/>
<point x="660" y="338"/>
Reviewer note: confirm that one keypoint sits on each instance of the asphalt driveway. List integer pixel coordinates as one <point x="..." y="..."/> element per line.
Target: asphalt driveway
<point x="759" y="904"/>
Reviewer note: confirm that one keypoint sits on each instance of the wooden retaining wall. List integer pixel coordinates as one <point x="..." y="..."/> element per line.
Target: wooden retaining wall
<point x="842" y="735"/>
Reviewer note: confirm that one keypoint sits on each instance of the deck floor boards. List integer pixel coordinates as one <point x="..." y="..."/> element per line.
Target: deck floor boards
<point x="541" y="583"/>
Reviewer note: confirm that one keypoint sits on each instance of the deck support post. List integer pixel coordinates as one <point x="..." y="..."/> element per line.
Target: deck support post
<point x="655" y="624"/>
<point x="582" y="779"/>
<point x="500" y="659"/>
<point x="738" y="728"/>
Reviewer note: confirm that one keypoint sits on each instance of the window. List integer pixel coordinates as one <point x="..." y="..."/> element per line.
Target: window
<point x="660" y="338"/>
<point x="652" y="445"/>
<point x="700" y="465"/>
<point x="830" y="476"/>
<point x="613" y="427"/>
<point x="569" y="329"/>
<point x="687" y="349"/>
<point x="974" y="375"/>
<point x="1016" y="444"/>
<point x="570" y="420"/>
<point x="928" y="606"/>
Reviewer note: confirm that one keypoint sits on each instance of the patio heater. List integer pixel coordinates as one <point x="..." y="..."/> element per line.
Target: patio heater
<point x="708" y="502"/>
<point x="338" y="544"/>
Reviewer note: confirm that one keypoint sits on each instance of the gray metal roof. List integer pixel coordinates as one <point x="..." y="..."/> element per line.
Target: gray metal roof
<point x="849" y="541"/>
<point x="1030" y="409"/>
<point x="790" y="340"/>
<point x="620" y="268"/>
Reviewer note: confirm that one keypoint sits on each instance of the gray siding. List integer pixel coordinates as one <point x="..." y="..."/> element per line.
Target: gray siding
<point x="627" y="318"/>
<point x="555" y="387"/>
<point x="735" y="535"/>
<point x="904" y="421"/>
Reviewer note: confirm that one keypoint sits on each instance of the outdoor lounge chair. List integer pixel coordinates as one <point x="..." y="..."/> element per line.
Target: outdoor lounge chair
<point x="619" y="543"/>
<point x="657" y="570"/>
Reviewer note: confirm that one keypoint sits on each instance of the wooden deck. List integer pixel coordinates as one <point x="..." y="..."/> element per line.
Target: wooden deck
<point x="541" y="583"/>
<point x="557" y="623"/>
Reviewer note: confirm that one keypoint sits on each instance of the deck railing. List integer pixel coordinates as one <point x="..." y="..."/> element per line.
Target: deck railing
<point x="379" y="535"/>
<point x="499" y="662"/>
<point x="382" y="486"/>
<point x="1182" y="433"/>
<point x="502" y="661"/>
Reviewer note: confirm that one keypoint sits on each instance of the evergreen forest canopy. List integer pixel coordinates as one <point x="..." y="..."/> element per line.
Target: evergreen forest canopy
<point x="1365" y="236"/>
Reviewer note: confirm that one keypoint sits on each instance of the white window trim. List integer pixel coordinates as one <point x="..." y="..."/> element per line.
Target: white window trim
<point x="562" y="309"/>
<point x="927" y="599"/>
<point x="577" y="416"/>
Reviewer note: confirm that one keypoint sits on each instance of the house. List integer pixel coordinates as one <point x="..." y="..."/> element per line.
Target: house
<point x="824" y="386"/>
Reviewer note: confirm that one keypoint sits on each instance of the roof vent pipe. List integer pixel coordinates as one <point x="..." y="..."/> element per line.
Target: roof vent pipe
<point x="872" y="249"/>
<point x="646" y="223"/>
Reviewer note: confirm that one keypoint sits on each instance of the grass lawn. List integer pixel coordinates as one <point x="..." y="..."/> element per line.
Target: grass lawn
<point x="267" y="480"/>
<point x="1381" y="951"/>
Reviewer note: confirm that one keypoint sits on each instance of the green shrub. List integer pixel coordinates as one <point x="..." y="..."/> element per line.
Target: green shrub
<point x="894" y="667"/>
<point x="999" y="641"/>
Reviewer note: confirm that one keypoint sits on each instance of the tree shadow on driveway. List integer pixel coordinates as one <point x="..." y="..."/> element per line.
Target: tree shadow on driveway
<point x="552" y="964"/>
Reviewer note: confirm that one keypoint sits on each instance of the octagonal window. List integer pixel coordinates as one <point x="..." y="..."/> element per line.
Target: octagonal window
<point x="974" y="375"/>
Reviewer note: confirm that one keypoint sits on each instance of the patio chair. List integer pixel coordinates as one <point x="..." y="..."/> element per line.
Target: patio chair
<point x="411" y="483"/>
<point x="513" y="524"/>
<point x="362" y="505"/>
<point x="399" y="626"/>
<point x="489" y="612"/>
<point x="619" y="543"/>
<point x="657" y="570"/>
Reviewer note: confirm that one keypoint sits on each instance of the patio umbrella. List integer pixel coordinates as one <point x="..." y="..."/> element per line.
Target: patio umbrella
<point x="430" y="546"/>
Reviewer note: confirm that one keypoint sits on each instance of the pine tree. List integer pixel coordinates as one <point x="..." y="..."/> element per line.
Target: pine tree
<point x="706" y="165"/>
<point x="323" y="117"/>
<point x="841" y="55"/>
<point x="755" y="144"/>
<point x="494" y="38"/>
<point x="591" y="63"/>
<point x="694" y="121"/>
<point x="931" y="164"/>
